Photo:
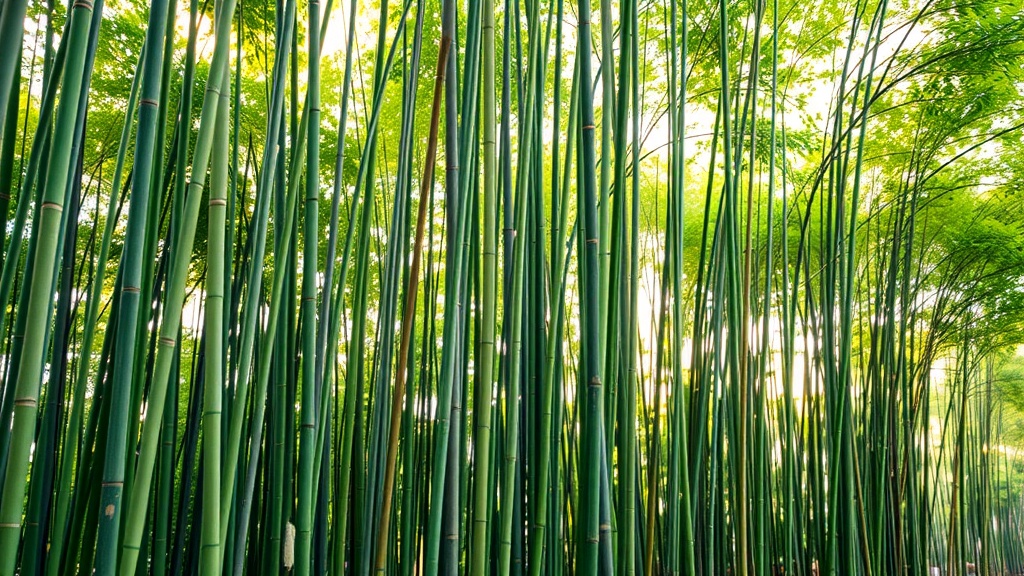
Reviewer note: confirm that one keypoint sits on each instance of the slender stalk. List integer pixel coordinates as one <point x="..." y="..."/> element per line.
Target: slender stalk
<point x="26" y="398"/>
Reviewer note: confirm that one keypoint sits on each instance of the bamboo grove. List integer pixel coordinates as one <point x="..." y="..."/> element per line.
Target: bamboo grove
<point x="511" y="287"/>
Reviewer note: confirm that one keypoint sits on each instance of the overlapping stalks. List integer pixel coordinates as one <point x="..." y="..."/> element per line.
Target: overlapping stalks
<point x="613" y="339"/>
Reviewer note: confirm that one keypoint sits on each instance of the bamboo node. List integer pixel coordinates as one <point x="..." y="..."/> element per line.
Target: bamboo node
<point x="167" y="341"/>
<point x="29" y="402"/>
<point x="52" y="206"/>
<point x="595" y="382"/>
<point x="218" y="202"/>
<point x="148" y="102"/>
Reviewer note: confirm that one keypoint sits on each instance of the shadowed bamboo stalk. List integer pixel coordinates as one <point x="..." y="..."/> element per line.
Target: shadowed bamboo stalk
<point x="514" y="308"/>
<point x="591" y="434"/>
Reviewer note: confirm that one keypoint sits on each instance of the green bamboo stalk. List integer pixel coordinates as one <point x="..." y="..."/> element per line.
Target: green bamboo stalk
<point x="482" y="397"/>
<point x="27" y="388"/>
<point x="211" y="558"/>
<point x="12" y="19"/>
<point x="42" y="470"/>
<point x="411" y="292"/>
<point x="628" y="457"/>
<point x="271" y="154"/>
<point x="514" y="310"/>
<point x="124" y="359"/>
<point x="40" y="494"/>
<point x="454" y="270"/>
<point x="560" y="236"/>
<point x="591" y="436"/>
<point x="608" y="118"/>
<point x="177" y="278"/>
<point x="8" y="139"/>
<point x="309" y="296"/>
<point x="93" y="301"/>
<point x="40" y="151"/>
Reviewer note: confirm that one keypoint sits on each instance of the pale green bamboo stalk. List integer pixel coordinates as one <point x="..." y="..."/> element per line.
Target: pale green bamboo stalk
<point x="177" y="280"/>
<point x="26" y="400"/>
<point x="213" y="387"/>
<point x="271" y="156"/>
